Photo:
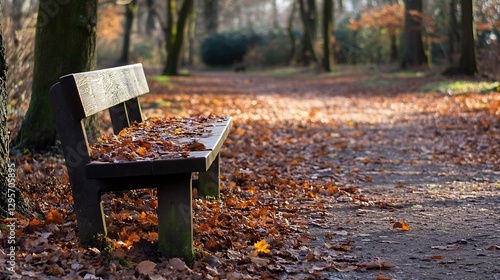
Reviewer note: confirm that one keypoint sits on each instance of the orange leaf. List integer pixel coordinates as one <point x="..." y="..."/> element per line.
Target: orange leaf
<point x="402" y="225"/>
<point x="152" y="236"/>
<point x="382" y="277"/>
<point x="134" y="237"/>
<point x="54" y="217"/>
<point x="437" y="257"/>
<point x="262" y="247"/>
<point x="332" y="190"/>
<point x="34" y="222"/>
<point x="141" y="151"/>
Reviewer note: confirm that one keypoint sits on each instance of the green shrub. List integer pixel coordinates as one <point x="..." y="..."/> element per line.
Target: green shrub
<point x="225" y="48"/>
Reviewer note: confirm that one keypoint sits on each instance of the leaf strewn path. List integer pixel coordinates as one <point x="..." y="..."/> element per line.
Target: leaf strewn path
<point x="318" y="170"/>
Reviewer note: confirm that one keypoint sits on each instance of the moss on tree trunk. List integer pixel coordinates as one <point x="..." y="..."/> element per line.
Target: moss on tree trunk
<point x="64" y="43"/>
<point x="175" y="44"/>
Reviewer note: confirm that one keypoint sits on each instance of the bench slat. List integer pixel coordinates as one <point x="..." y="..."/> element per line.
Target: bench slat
<point x="95" y="91"/>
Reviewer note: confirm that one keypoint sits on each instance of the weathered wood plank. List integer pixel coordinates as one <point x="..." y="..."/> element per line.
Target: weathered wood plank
<point x="175" y="216"/>
<point x="95" y="91"/>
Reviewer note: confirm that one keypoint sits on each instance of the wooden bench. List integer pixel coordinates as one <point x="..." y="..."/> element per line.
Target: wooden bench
<point x="80" y="95"/>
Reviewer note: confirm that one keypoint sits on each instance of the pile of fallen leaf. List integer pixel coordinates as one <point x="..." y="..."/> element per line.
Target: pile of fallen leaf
<point x="154" y="138"/>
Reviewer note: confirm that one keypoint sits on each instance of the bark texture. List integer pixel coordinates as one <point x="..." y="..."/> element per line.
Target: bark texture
<point x="413" y="47"/>
<point x="64" y="43"/>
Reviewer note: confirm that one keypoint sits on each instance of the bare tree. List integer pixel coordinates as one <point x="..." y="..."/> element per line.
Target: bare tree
<point x="328" y="7"/>
<point x="413" y="47"/>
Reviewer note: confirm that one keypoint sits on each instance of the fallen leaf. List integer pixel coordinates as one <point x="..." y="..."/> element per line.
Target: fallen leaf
<point x="145" y="267"/>
<point x="382" y="277"/>
<point x="493" y="247"/>
<point x="262" y="247"/>
<point x="178" y="264"/>
<point x="54" y="217"/>
<point x="378" y="264"/>
<point x="451" y="247"/>
<point x="402" y="225"/>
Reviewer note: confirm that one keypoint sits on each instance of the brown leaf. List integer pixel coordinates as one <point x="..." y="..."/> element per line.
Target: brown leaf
<point x="437" y="257"/>
<point x="451" y="247"/>
<point x="54" y="217"/>
<point x="383" y="277"/>
<point x="378" y="264"/>
<point x="145" y="267"/>
<point x="178" y="264"/>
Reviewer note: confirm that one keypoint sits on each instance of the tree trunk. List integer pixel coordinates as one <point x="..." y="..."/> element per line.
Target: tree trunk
<point x="308" y="39"/>
<point x="11" y="199"/>
<point x="394" y="46"/>
<point x="327" y="35"/>
<point x="17" y="14"/>
<point x="312" y="16"/>
<point x="65" y="43"/>
<point x="129" y="20"/>
<point x="150" y="19"/>
<point x="413" y="47"/>
<point x="453" y="36"/>
<point x="341" y="6"/>
<point x="290" y="33"/>
<point x="468" y="54"/>
<point x="276" y="25"/>
<point x="211" y="16"/>
<point x="191" y="35"/>
<point x="174" y="49"/>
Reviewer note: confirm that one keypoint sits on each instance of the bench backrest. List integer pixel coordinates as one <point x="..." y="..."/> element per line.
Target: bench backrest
<point x="80" y="95"/>
<point x="95" y="91"/>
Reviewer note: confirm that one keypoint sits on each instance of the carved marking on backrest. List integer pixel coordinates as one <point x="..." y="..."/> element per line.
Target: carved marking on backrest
<point x="101" y="89"/>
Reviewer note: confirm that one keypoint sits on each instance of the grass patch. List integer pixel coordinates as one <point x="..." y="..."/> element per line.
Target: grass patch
<point x="460" y="87"/>
<point x="405" y="74"/>
<point x="282" y="72"/>
<point x="375" y="83"/>
<point x="164" y="80"/>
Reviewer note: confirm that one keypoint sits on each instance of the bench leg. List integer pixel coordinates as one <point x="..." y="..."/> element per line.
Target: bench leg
<point x="89" y="213"/>
<point x="209" y="181"/>
<point x="175" y="216"/>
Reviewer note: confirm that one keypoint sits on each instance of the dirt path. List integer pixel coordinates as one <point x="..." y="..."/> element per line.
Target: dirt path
<point x="432" y="159"/>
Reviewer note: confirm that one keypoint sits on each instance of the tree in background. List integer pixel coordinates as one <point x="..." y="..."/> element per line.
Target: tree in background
<point x="468" y="52"/>
<point x="387" y="19"/>
<point x="8" y="191"/>
<point x="308" y="16"/>
<point x="453" y="34"/>
<point x="413" y="47"/>
<point x="210" y="12"/>
<point x="64" y="43"/>
<point x="291" y="35"/>
<point x="130" y="13"/>
<point x="175" y="33"/>
<point x="328" y="7"/>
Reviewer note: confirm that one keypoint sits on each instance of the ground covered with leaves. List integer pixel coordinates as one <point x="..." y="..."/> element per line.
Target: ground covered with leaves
<point x="358" y="174"/>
